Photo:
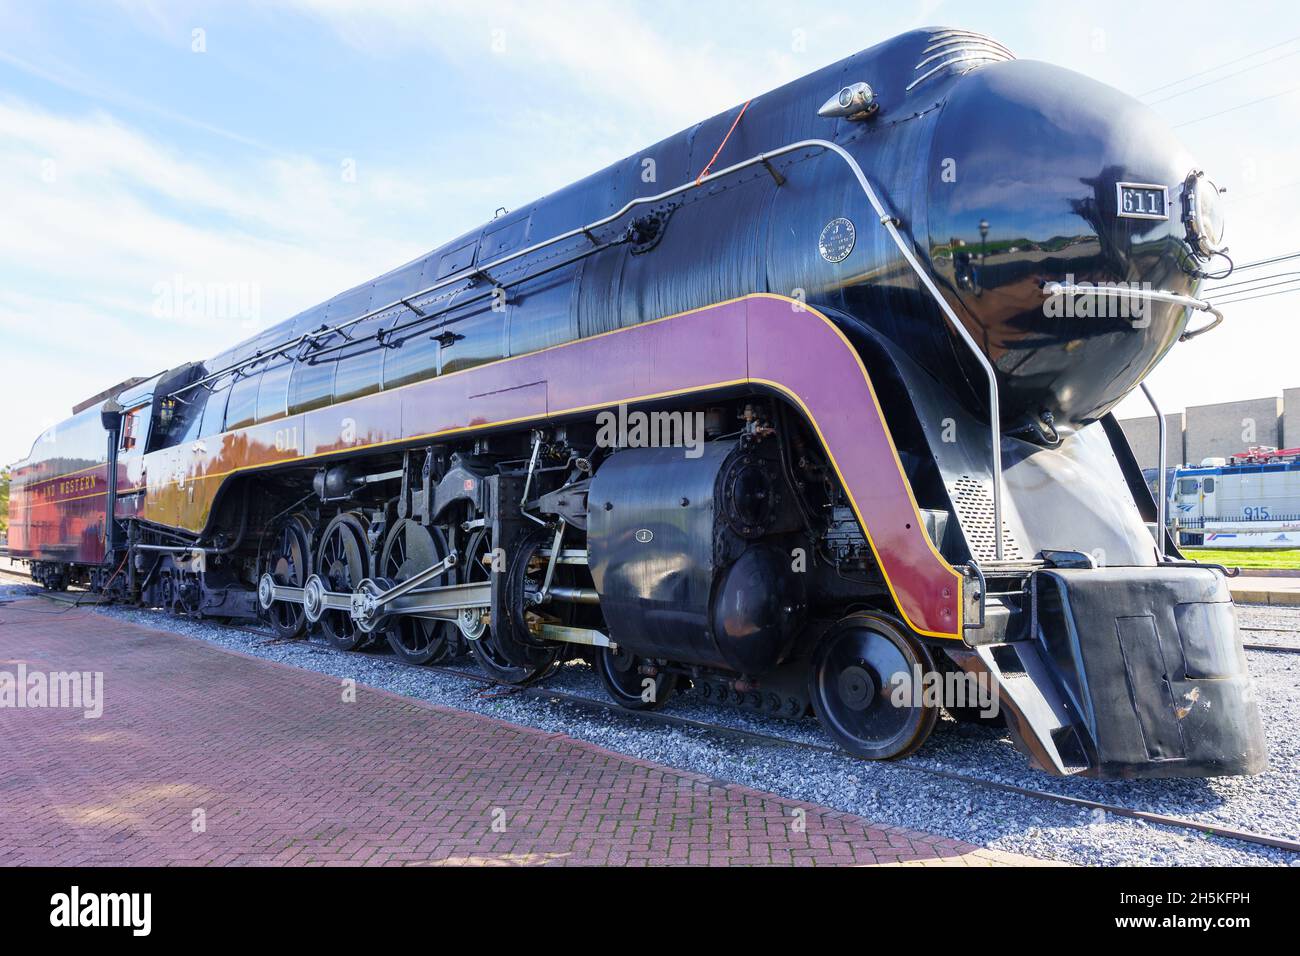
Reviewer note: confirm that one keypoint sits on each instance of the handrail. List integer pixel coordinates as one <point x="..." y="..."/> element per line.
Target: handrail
<point x="1161" y="462"/>
<point x="479" y="270"/>
<point x="887" y="220"/>
<point x="984" y="592"/>
<point x="1159" y="295"/>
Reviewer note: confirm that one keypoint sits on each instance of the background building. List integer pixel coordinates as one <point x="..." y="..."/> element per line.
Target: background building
<point x="1217" y="431"/>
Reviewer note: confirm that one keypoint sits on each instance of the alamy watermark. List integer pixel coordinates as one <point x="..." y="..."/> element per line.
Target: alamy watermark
<point x="74" y="690"/>
<point x="964" y="689"/>
<point x="180" y="298"/>
<point x="1130" y="301"/>
<point x="133" y="911"/>
<point x="634" y="429"/>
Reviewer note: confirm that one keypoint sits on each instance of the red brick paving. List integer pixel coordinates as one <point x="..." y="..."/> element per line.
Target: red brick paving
<point x="285" y="772"/>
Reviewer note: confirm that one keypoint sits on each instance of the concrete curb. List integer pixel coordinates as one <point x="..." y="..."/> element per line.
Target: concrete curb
<point x="1252" y="593"/>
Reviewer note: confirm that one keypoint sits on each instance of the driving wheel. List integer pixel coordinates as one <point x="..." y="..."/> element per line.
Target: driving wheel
<point x="342" y="563"/>
<point x="289" y="564"/>
<point x="409" y="549"/>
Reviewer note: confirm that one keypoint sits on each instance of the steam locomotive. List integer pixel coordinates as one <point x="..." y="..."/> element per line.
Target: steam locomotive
<point x="809" y="396"/>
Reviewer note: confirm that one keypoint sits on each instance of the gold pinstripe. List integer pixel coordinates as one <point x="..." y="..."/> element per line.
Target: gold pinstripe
<point x="713" y="386"/>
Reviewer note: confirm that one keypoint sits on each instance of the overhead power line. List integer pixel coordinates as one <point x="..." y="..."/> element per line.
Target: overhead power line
<point x="1239" y="59"/>
<point x="1266" y="262"/>
<point x="1255" y="281"/>
<point x="1252" y="289"/>
<point x="1250" y="298"/>
<point x="1220" y="79"/>
<point x="1240" y="106"/>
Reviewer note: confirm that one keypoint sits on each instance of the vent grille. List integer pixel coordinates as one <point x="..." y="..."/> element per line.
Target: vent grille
<point x="974" y="507"/>
<point x="960" y="49"/>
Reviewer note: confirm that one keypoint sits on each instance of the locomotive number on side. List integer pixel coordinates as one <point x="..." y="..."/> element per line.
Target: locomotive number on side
<point x="286" y="439"/>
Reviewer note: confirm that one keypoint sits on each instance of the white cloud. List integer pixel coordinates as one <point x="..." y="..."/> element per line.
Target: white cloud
<point x="609" y="52"/>
<point x="99" y="218"/>
<point x="577" y="86"/>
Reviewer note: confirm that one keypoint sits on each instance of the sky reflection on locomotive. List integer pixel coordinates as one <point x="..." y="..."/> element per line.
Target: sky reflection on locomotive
<point x="297" y="150"/>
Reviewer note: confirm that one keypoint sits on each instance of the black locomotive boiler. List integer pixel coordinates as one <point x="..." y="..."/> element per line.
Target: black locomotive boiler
<point x="882" y="314"/>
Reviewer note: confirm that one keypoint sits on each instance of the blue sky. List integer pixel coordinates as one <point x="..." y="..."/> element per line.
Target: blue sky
<point x="282" y="152"/>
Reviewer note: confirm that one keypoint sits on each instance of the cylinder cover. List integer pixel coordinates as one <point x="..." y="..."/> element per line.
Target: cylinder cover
<point x="686" y="555"/>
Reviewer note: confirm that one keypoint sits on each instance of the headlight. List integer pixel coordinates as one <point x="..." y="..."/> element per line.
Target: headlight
<point x="856" y="102"/>
<point x="1202" y="214"/>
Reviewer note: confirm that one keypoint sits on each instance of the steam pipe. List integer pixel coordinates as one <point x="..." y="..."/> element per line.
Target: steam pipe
<point x="1160" y="499"/>
<point x="110" y="416"/>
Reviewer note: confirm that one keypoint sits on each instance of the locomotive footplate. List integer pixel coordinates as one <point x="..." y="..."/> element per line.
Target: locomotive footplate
<point x="1125" y="673"/>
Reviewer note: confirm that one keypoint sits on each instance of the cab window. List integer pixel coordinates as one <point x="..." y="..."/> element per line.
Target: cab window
<point x="179" y="418"/>
<point x="133" y="424"/>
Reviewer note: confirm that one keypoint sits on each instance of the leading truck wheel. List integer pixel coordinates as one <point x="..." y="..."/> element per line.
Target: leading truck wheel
<point x="620" y="672"/>
<point x="855" y="670"/>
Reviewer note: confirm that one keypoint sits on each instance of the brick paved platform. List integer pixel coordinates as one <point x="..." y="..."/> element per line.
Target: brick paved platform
<point x="279" y="770"/>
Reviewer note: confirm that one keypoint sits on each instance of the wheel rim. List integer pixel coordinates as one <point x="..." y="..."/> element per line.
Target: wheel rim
<point x="489" y="656"/>
<point x="289" y="566"/>
<point x="410" y="549"/>
<point x="853" y="677"/>
<point x="620" y="672"/>
<point x="341" y="565"/>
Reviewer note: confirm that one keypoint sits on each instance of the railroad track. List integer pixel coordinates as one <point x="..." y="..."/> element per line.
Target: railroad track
<point x="594" y="704"/>
<point x="1276" y="648"/>
<point x="1273" y="648"/>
